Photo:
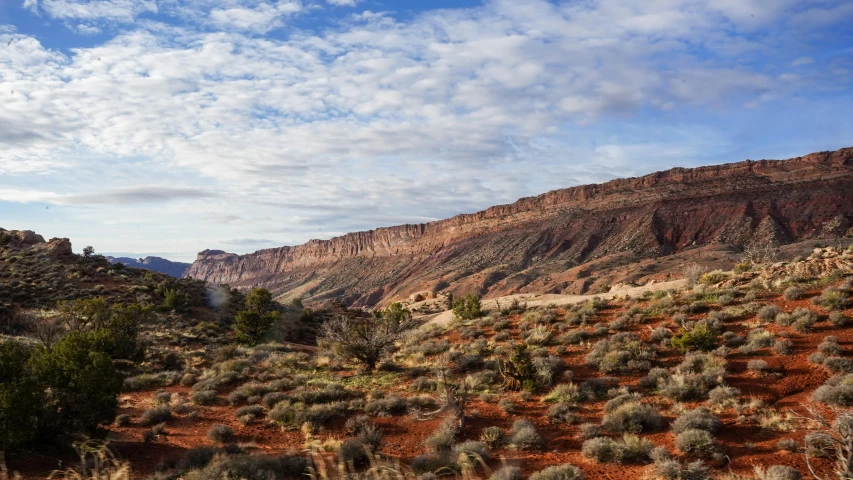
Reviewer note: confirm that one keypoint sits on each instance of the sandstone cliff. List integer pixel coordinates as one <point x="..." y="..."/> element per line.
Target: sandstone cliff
<point x="507" y="248"/>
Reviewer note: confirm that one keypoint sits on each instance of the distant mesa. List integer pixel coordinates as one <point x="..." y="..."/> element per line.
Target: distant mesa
<point x="157" y="264"/>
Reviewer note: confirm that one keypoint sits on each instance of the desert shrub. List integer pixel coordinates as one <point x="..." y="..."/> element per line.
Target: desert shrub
<point x="203" y="397"/>
<point x="793" y="293"/>
<point x="473" y="450"/>
<point x="367" y="340"/>
<point x="251" y="467"/>
<point x="385" y="406"/>
<point x="778" y="472"/>
<point x="122" y="420"/>
<point x="700" y="418"/>
<point x="829" y="346"/>
<point x="506" y="405"/>
<point x="713" y="277"/>
<point x="630" y="448"/>
<point x="803" y="320"/>
<point x="156" y="415"/>
<point x="546" y="368"/>
<point x="701" y="337"/>
<point x="694" y="441"/>
<point x="784" y="319"/>
<point x="559" y="472"/>
<point x="492" y="436"/>
<point x="788" y="444"/>
<point x="442" y="440"/>
<point x="838" y="364"/>
<point x="589" y="430"/>
<point x="768" y="313"/>
<point x="783" y="346"/>
<point x="632" y="418"/>
<point x="620" y="400"/>
<point x="561" y="413"/>
<point x="506" y="473"/>
<point x="760" y="338"/>
<point x="757" y="366"/>
<point x="564" y="393"/>
<point x="837" y="391"/>
<point x="523" y="435"/>
<point x="723" y="395"/>
<point x="255" y="411"/>
<point x="687" y="387"/>
<point x="838" y="319"/>
<point x="622" y="353"/>
<point x="597" y="388"/>
<point x="832" y="299"/>
<point x="271" y="399"/>
<point x="220" y="433"/>
<point x="430" y="463"/>
<point x="817" y="358"/>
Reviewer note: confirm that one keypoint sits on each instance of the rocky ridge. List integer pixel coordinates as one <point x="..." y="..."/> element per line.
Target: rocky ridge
<point x="536" y="241"/>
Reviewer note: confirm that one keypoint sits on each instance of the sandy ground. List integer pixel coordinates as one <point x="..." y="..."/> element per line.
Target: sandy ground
<point x="538" y="300"/>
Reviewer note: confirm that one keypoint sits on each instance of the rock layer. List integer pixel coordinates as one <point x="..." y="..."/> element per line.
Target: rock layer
<point x="504" y="248"/>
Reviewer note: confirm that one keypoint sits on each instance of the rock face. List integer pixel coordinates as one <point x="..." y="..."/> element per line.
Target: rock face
<point x="507" y="247"/>
<point x="157" y="264"/>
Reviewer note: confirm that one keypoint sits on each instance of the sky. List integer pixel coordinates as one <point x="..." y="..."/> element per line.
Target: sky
<point x="165" y="127"/>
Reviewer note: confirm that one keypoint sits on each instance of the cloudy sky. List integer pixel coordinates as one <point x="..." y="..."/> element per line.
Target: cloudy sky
<point x="169" y="126"/>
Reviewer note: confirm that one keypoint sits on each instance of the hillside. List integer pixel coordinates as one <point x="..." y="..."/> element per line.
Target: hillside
<point x="546" y="243"/>
<point x="157" y="264"/>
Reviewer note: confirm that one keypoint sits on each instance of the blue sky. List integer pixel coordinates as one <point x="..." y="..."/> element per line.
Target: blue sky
<point x="167" y="127"/>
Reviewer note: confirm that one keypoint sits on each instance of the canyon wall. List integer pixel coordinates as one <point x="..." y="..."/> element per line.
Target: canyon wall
<point x="505" y="248"/>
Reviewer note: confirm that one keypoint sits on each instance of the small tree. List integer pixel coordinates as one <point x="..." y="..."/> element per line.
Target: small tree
<point x="251" y="326"/>
<point x="260" y="315"/>
<point x="367" y="340"/>
<point x="88" y="251"/>
<point x="468" y="307"/>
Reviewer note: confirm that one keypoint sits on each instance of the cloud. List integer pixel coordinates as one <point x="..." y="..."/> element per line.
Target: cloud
<point x="260" y="18"/>
<point x="115" y="196"/>
<point x="343" y="3"/>
<point x="372" y="120"/>
<point x="250" y="241"/>
<point x="115" y="10"/>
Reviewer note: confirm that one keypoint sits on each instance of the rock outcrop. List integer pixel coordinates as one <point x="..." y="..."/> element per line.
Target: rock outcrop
<point x="508" y="248"/>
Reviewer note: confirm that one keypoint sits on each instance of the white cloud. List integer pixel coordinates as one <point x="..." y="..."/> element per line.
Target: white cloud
<point x="326" y="130"/>
<point x="260" y="18"/>
<point x="117" y="10"/>
<point x="343" y="3"/>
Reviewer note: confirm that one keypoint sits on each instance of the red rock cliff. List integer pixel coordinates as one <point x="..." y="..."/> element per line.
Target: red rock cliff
<point x="660" y="213"/>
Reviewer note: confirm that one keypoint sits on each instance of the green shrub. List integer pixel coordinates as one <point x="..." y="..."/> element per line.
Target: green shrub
<point x="837" y="391"/>
<point x="564" y="393"/>
<point x="467" y="308"/>
<point x="702" y="337"/>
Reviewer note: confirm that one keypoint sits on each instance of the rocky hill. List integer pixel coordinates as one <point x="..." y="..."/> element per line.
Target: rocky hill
<point x="157" y="264"/>
<point x="546" y="243"/>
